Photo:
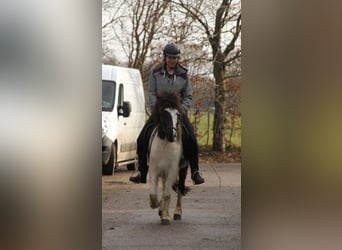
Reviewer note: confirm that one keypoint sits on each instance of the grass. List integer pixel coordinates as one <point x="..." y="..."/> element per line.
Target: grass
<point x="203" y="125"/>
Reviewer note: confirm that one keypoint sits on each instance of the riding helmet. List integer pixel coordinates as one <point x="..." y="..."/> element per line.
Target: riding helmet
<point x="172" y="50"/>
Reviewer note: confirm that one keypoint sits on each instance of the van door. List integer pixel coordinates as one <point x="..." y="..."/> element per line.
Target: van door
<point x="126" y="142"/>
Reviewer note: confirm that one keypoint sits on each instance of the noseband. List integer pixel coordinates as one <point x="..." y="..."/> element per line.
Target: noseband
<point x="171" y="132"/>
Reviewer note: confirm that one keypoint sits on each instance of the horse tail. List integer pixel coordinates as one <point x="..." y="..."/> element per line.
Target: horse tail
<point x="181" y="183"/>
<point x="184" y="190"/>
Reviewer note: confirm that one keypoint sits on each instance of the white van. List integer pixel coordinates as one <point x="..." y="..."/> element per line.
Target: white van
<point x="123" y="116"/>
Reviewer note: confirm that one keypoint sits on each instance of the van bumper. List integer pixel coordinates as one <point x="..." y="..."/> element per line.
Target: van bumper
<point x="107" y="149"/>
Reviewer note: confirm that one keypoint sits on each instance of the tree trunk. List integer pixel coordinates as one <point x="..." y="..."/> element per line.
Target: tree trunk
<point x="219" y="102"/>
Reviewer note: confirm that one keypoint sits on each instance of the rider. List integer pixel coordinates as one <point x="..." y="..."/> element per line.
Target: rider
<point x="170" y="76"/>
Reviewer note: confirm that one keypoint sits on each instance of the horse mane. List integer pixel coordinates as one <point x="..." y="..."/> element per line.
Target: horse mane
<point x="166" y="100"/>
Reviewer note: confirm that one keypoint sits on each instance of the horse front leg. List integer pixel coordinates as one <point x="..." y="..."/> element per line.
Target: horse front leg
<point x="154" y="203"/>
<point x="165" y="203"/>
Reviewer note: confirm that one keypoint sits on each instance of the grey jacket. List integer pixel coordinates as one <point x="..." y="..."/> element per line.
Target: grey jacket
<point x="161" y="81"/>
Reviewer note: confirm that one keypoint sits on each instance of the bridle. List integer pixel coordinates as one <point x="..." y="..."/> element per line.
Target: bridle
<point x="172" y="128"/>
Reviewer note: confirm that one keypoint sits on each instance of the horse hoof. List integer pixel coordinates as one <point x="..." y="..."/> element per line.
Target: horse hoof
<point x="165" y="222"/>
<point x="177" y="216"/>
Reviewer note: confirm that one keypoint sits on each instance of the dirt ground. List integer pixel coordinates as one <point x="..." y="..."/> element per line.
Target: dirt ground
<point x="211" y="213"/>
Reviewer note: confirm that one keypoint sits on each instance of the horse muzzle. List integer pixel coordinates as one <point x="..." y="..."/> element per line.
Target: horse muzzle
<point x="171" y="135"/>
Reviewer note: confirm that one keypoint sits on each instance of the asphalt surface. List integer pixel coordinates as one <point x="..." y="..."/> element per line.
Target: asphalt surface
<point x="211" y="213"/>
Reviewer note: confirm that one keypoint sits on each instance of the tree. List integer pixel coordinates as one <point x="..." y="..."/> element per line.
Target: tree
<point x="222" y="32"/>
<point x="111" y="13"/>
<point x="208" y="33"/>
<point x="134" y="28"/>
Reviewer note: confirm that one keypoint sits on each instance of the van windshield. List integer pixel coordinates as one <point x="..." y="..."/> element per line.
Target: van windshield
<point x="108" y="95"/>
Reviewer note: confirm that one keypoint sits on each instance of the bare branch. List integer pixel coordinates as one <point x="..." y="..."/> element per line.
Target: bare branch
<point x="231" y="45"/>
<point x="196" y="15"/>
<point x="233" y="58"/>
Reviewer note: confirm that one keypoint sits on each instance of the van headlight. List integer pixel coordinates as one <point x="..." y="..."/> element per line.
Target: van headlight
<point x="105" y="126"/>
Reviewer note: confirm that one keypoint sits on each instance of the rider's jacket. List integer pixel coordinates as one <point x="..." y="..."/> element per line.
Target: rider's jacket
<point x="179" y="82"/>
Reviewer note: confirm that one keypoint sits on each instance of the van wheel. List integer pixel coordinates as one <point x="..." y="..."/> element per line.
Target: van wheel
<point x="109" y="167"/>
<point x="131" y="167"/>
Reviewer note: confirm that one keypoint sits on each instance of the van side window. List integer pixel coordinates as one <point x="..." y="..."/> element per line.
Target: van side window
<point x="121" y="95"/>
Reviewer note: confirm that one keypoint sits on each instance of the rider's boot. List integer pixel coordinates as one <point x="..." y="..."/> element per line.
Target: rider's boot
<point x="136" y="178"/>
<point x="141" y="175"/>
<point x="195" y="174"/>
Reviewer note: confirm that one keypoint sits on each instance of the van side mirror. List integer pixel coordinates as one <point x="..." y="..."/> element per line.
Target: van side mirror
<point x="125" y="109"/>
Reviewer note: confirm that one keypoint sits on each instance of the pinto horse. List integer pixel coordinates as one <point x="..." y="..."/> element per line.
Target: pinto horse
<point x="165" y="156"/>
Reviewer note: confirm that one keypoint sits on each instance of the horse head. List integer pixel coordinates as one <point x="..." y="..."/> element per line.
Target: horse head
<point x="166" y="114"/>
<point x="168" y="126"/>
